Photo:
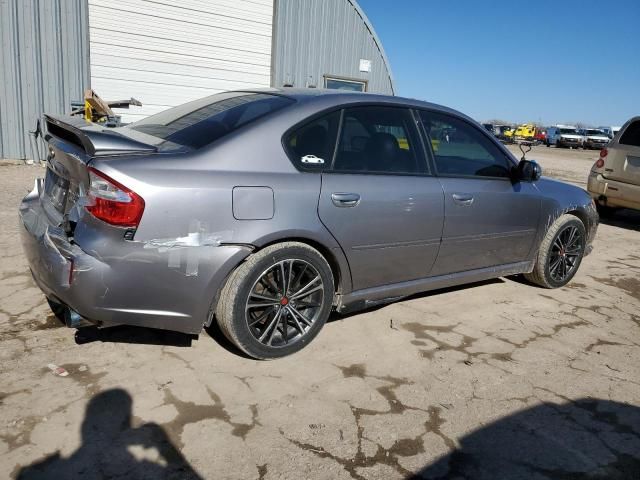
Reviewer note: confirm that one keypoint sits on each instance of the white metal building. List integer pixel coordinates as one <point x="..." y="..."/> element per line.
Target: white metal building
<point x="179" y="51"/>
<point x="165" y="52"/>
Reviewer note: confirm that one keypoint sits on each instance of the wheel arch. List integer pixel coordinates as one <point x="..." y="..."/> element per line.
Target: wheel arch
<point x="582" y="216"/>
<point x="334" y="257"/>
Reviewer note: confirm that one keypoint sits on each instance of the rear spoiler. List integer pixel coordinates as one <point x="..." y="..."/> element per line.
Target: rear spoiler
<point x="94" y="139"/>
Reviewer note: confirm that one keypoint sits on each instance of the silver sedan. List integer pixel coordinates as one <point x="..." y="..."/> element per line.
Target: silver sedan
<point x="265" y="210"/>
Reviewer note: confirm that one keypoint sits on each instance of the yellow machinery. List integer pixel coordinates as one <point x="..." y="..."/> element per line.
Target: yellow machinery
<point x="526" y="131"/>
<point x="96" y="110"/>
<point x="509" y="132"/>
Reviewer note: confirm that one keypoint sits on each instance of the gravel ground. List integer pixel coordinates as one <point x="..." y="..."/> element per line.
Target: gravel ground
<point x="494" y="380"/>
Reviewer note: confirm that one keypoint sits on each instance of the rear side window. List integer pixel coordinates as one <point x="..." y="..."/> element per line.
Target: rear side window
<point x="631" y="135"/>
<point x="311" y="145"/>
<point x="459" y="149"/>
<point x="379" y="140"/>
<point x="199" y="123"/>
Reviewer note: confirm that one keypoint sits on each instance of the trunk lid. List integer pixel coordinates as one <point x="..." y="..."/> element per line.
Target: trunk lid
<point x="73" y="144"/>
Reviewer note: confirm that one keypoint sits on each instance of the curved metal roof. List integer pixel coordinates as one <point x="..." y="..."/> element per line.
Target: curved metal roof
<point x="376" y="39"/>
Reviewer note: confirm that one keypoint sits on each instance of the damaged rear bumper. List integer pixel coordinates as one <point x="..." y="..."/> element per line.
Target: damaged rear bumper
<point x="127" y="283"/>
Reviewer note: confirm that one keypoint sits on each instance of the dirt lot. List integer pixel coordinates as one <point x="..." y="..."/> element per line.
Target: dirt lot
<point x="493" y="380"/>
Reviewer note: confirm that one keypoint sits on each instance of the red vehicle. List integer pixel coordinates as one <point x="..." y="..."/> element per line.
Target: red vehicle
<point x="540" y="135"/>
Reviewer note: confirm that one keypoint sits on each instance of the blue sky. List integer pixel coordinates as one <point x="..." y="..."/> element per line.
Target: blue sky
<point x="550" y="61"/>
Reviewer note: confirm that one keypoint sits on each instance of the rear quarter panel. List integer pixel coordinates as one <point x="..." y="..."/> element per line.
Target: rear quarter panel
<point x="189" y="197"/>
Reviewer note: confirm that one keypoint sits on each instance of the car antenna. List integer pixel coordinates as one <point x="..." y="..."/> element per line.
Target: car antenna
<point x="524" y="152"/>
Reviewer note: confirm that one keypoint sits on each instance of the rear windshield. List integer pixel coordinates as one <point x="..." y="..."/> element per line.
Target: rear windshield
<point x="631" y="135"/>
<point x="201" y="122"/>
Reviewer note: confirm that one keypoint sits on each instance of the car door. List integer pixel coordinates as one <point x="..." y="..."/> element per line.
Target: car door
<point x="489" y="220"/>
<point x="379" y="200"/>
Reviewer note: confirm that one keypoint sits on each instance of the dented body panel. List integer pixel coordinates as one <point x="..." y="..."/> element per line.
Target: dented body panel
<point x="116" y="282"/>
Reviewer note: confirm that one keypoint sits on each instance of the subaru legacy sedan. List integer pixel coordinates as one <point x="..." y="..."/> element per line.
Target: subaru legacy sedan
<point x="265" y="210"/>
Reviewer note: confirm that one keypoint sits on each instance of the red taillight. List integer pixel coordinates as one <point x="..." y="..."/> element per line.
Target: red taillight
<point x="603" y="153"/>
<point x="600" y="163"/>
<point x="112" y="202"/>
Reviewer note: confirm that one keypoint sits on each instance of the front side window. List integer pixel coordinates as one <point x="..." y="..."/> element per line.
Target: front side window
<point x="631" y="135"/>
<point x="459" y="149"/>
<point x="311" y="145"/>
<point x="379" y="140"/>
<point x="201" y="122"/>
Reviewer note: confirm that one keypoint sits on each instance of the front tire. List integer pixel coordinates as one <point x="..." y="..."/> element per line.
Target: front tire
<point x="560" y="253"/>
<point x="276" y="302"/>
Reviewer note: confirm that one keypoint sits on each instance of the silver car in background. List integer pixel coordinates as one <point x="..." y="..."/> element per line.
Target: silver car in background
<point x="265" y="210"/>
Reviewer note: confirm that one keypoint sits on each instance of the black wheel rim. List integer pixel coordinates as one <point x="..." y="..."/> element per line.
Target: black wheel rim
<point x="565" y="253"/>
<point x="284" y="303"/>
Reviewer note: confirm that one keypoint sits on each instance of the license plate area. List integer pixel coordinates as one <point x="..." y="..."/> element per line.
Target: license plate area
<point x="56" y="189"/>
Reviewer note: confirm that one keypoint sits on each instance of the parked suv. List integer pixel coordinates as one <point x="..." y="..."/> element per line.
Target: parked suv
<point x="265" y="210"/>
<point x="614" y="181"/>
<point x="594" y="139"/>
<point x="564" y="136"/>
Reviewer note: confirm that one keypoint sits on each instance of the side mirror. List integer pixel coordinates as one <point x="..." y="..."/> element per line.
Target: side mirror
<point x="528" y="171"/>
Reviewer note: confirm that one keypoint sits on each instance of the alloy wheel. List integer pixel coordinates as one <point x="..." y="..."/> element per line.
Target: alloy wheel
<point x="565" y="254"/>
<point x="284" y="302"/>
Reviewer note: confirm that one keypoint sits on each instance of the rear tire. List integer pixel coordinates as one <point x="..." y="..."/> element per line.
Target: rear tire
<point x="560" y="253"/>
<point x="276" y="302"/>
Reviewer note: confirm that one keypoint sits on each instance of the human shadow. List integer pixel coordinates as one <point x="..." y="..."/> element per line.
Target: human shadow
<point x="583" y="439"/>
<point x="108" y="438"/>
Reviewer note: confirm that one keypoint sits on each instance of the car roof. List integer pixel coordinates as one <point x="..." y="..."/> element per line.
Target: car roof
<point x="333" y="97"/>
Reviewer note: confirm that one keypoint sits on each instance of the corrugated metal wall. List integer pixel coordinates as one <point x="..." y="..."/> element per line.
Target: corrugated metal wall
<point x="315" y="38"/>
<point x="165" y="52"/>
<point x="44" y="65"/>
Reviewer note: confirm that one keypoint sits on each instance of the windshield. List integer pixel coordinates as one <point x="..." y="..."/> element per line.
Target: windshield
<point x="594" y="133"/>
<point x="569" y="131"/>
<point x="201" y="122"/>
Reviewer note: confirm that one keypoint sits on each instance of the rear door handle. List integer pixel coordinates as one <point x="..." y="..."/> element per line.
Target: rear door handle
<point x="463" y="198"/>
<point x="345" y="199"/>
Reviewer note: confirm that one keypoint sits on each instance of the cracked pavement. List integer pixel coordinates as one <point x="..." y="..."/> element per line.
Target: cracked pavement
<point x="494" y="380"/>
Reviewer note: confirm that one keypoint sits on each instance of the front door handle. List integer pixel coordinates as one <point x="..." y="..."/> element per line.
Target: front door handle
<point x="345" y="199"/>
<point x="463" y="198"/>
